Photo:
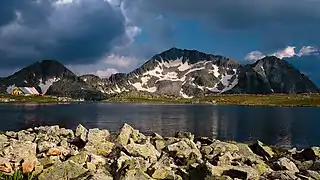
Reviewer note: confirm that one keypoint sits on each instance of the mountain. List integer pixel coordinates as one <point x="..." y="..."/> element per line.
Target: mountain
<point x="190" y="73"/>
<point x="182" y="73"/>
<point x="52" y="78"/>
<point x="185" y="73"/>
<point x="272" y="75"/>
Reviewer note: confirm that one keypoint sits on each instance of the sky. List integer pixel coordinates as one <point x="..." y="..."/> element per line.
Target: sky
<point x="107" y="36"/>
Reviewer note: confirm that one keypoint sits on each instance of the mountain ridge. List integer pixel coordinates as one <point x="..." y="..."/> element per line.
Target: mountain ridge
<point x="178" y="72"/>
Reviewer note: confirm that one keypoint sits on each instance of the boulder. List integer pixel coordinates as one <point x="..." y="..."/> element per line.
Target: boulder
<point x="80" y="158"/>
<point x="45" y="146"/>
<point x="64" y="170"/>
<point x="147" y="151"/>
<point x="81" y="132"/>
<point x="49" y="161"/>
<point x="184" y="148"/>
<point x="5" y="165"/>
<point x="20" y="150"/>
<point x="96" y="135"/>
<point x="307" y="154"/>
<point x="102" y="148"/>
<point x="127" y="162"/>
<point x="187" y="135"/>
<point x="283" y="175"/>
<point x="127" y="132"/>
<point x="28" y="166"/>
<point x="66" y="133"/>
<point x="165" y="173"/>
<point x="312" y="174"/>
<point x="219" y="147"/>
<point x="136" y="174"/>
<point x="285" y="164"/>
<point x="262" y="150"/>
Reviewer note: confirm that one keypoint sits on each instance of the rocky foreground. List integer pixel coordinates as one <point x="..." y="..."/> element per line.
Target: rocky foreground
<point x="54" y="153"/>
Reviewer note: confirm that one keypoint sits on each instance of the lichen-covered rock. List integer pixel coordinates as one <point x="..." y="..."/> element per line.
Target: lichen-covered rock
<point x="187" y="135"/>
<point x="127" y="132"/>
<point x="81" y="133"/>
<point x="26" y="136"/>
<point x="147" y="151"/>
<point x="28" y="166"/>
<point x="66" y="133"/>
<point x="5" y="165"/>
<point x="101" y="174"/>
<point x="127" y="162"/>
<point x="96" y="135"/>
<point x="49" y="161"/>
<point x="20" y="150"/>
<point x="80" y="158"/>
<point x="285" y="164"/>
<point x="136" y="174"/>
<point x="283" y="175"/>
<point x="221" y="147"/>
<point x="102" y="148"/>
<point x="262" y="150"/>
<point x="65" y="170"/>
<point x="165" y="173"/>
<point x="45" y="146"/>
<point x="184" y="148"/>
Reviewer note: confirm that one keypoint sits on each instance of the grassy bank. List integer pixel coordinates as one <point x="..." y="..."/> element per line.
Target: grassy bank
<point x="6" y="98"/>
<point x="231" y="99"/>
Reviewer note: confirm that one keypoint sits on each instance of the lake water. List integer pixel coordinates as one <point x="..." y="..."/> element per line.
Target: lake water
<point x="283" y="126"/>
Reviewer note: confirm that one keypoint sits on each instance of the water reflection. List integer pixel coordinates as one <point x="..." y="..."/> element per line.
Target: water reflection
<point x="279" y="126"/>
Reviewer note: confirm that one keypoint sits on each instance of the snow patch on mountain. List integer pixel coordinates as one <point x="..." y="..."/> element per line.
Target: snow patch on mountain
<point x="45" y="85"/>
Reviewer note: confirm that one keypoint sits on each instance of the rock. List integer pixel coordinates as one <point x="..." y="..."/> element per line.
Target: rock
<point x="3" y="138"/>
<point x="80" y="158"/>
<point x="28" y="166"/>
<point x="156" y="136"/>
<point x="20" y="150"/>
<point x="147" y="151"/>
<point x="53" y="152"/>
<point x="136" y="174"/>
<point x="65" y="170"/>
<point x="26" y="136"/>
<point x="283" y="175"/>
<point x="187" y="135"/>
<point x="225" y="159"/>
<point x="102" y="148"/>
<point x="312" y="153"/>
<point x="96" y="135"/>
<point x="45" y="146"/>
<point x="184" y="148"/>
<point x="165" y="173"/>
<point x="312" y="174"/>
<point x="260" y="149"/>
<point x="222" y="147"/>
<point x="285" y="164"/>
<point x="233" y="171"/>
<point x="160" y="145"/>
<point x="49" y="161"/>
<point x="206" y="150"/>
<point x="305" y="165"/>
<point x="101" y="175"/>
<point x="127" y="162"/>
<point x="127" y="132"/>
<point x="81" y="133"/>
<point x="66" y="133"/>
<point x="5" y="165"/>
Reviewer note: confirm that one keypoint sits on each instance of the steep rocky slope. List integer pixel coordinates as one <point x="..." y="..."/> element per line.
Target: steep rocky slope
<point x="190" y="73"/>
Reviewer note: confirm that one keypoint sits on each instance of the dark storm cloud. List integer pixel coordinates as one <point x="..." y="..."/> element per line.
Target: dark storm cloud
<point x="277" y="22"/>
<point x="76" y="33"/>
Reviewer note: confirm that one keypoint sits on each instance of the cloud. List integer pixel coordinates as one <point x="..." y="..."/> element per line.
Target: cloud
<point x="73" y="32"/>
<point x="287" y="52"/>
<point x="104" y="73"/>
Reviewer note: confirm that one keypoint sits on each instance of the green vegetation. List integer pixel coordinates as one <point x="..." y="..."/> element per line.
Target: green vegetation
<point x="227" y="99"/>
<point x="32" y="98"/>
<point x="18" y="175"/>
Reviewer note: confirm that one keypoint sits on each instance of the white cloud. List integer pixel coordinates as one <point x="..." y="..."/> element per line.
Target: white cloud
<point x="119" y="61"/>
<point x="287" y="52"/>
<point x="105" y="72"/>
<point x="254" y="56"/>
<point x="308" y="50"/>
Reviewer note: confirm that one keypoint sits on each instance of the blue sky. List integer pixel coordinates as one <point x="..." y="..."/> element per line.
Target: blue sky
<point x="107" y="36"/>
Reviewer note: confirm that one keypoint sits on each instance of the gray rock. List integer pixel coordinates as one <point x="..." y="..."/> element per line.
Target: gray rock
<point x="147" y="151"/>
<point x="184" y="148"/>
<point x="20" y="150"/>
<point x="81" y="133"/>
<point x="127" y="162"/>
<point x="312" y="174"/>
<point x="283" y="175"/>
<point x="45" y="146"/>
<point x="262" y="150"/>
<point x="187" y="135"/>
<point x="64" y="170"/>
<point x="96" y="135"/>
<point x="127" y="132"/>
<point x="285" y="164"/>
<point x="136" y="174"/>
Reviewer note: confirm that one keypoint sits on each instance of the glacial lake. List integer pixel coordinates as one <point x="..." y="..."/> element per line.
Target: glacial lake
<point x="282" y="126"/>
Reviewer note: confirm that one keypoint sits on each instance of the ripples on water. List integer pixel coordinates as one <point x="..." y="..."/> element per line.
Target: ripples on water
<point x="292" y="126"/>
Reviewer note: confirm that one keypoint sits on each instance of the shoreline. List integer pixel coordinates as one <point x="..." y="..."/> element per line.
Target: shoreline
<point x="272" y="100"/>
<point x="51" y="152"/>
